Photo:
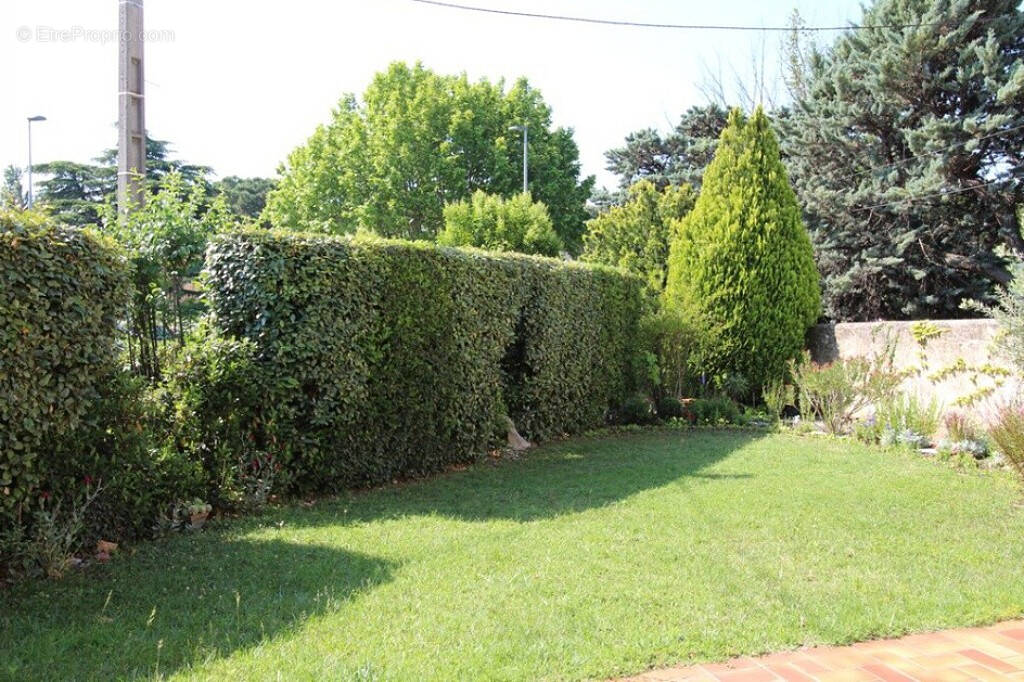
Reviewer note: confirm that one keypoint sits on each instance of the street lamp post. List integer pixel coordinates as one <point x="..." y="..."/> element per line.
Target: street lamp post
<point x="31" y="119"/>
<point x="526" y="134"/>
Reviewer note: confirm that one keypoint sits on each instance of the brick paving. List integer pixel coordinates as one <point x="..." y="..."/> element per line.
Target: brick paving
<point x="989" y="653"/>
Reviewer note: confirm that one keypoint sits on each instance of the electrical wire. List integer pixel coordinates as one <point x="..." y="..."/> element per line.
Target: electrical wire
<point x="686" y="27"/>
<point x="935" y="152"/>
<point x="917" y="197"/>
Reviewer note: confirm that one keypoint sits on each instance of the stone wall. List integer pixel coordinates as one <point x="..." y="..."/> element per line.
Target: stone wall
<point x="973" y="342"/>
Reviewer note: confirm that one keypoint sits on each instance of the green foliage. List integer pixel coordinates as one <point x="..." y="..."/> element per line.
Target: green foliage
<point x="12" y="195"/>
<point x="909" y="413"/>
<point x="419" y="140"/>
<point x="887" y="121"/>
<point x="670" y="338"/>
<point x="636" y="409"/>
<point x="636" y="236"/>
<point x="678" y="158"/>
<point x="245" y="197"/>
<point x="397" y="358"/>
<point x="496" y="224"/>
<point x="1009" y="312"/>
<point x="669" y="407"/>
<point x="75" y="193"/>
<point x="166" y="240"/>
<point x="742" y="261"/>
<point x="777" y="395"/>
<point x="222" y="414"/>
<point x="713" y="411"/>
<point x="61" y="293"/>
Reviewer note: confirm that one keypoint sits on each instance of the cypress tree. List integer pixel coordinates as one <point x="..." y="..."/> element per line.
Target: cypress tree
<point x="905" y="150"/>
<point x="742" y="263"/>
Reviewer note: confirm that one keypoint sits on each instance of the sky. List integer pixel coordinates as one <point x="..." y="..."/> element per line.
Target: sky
<point x="237" y="84"/>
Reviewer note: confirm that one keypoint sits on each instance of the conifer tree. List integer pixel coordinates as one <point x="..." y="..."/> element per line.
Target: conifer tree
<point x="742" y="262"/>
<point x="906" y="152"/>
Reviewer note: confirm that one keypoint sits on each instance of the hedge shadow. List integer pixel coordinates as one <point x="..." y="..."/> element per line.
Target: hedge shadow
<point x="177" y="603"/>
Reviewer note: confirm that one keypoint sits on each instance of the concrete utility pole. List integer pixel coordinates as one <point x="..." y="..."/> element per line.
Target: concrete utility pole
<point x="31" y="120"/>
<point x="526" y="134"/>
<point x="131" y="107"/>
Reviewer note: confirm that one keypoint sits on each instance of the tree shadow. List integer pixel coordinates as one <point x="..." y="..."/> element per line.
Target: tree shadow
<point x="553" y="480"/>
<point x="175" y="603"/>
<point x="190" y="599"/>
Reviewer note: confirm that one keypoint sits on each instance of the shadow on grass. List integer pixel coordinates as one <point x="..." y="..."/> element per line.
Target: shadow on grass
<point x="553" y="480"/>
<point x="191" y="599"/>
<point x="174" y="604"/>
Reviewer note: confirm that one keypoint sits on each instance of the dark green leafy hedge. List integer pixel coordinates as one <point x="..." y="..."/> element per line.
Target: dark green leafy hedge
<point x="61" y="292"/>
<point x="393" y="358"/>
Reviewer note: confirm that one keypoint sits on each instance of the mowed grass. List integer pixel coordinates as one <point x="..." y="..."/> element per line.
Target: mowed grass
<point x="586" y="559"/>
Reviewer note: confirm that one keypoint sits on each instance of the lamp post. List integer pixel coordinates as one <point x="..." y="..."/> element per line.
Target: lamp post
<point x="526" y="134"/>
<point x="31" y="119"/>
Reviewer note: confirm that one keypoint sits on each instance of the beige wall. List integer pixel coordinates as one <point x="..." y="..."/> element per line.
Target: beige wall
<point x="973" y="341"/>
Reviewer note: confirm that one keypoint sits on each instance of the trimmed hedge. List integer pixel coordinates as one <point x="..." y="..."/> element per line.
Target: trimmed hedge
<point x="395" y="358"/>
<point x="61" y="292"/>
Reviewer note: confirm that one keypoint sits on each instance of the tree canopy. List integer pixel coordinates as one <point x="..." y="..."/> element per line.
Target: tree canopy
<point x="491" y="222"/>
<point x="418" y="140"/>
<point x="677" y="158"/>
<point x="636" y="235"/>
<point x="905" y="150"/>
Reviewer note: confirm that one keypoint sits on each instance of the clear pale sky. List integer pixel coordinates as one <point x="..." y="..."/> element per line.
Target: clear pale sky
<point x="237" y="84"/>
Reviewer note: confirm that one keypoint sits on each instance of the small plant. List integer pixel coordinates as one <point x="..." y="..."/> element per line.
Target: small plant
<point x="198" y="512"/>
<point x="910" y="413"/>
<point x="960" y="427"/>
<point x="777" y="395"/>
<point x="669" y="407"/>
<point x="47" y="546"/>
<point x="1007" y="431"/>
<point x="831" y="392"/>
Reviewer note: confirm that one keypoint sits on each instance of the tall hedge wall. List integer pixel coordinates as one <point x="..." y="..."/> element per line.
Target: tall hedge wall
<point x="61" y="294"/>
<point x="400" y="358"/>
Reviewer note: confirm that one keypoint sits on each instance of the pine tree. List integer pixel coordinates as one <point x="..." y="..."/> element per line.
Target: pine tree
<point x="678" y="158"/>
<point x="906" y="152"/>
<point x="742" y="262"/>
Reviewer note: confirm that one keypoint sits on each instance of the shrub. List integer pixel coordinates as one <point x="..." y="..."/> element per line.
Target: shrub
<point x="743" y="260"/>
<point x="222" y="419"/>
<point x="491" y="222"/>
<point x="669" y="407"/>
<point x="61" y="293"/>
<point x="670" y="339"/>
<point x="397" y="358"/>
<point x="713" y="411"/>
<point x="836" y="391"/>
<point x="636" y="235"/>
<point x="831" y="392"/>
<point x="1007" y="432"/>
<point x="636" y="409"/>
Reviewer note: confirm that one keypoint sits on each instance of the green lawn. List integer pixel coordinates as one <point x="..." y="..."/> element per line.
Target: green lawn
<point x="585" y="559"/>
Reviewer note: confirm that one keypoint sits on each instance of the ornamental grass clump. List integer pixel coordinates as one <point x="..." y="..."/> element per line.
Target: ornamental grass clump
<point x="1007" y="432"/>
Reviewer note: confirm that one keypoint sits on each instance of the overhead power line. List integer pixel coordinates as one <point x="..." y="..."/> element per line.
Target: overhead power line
<point x="918" y="197"/>
<point x="935" y="152"/>
<point x="641" y="24"/>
